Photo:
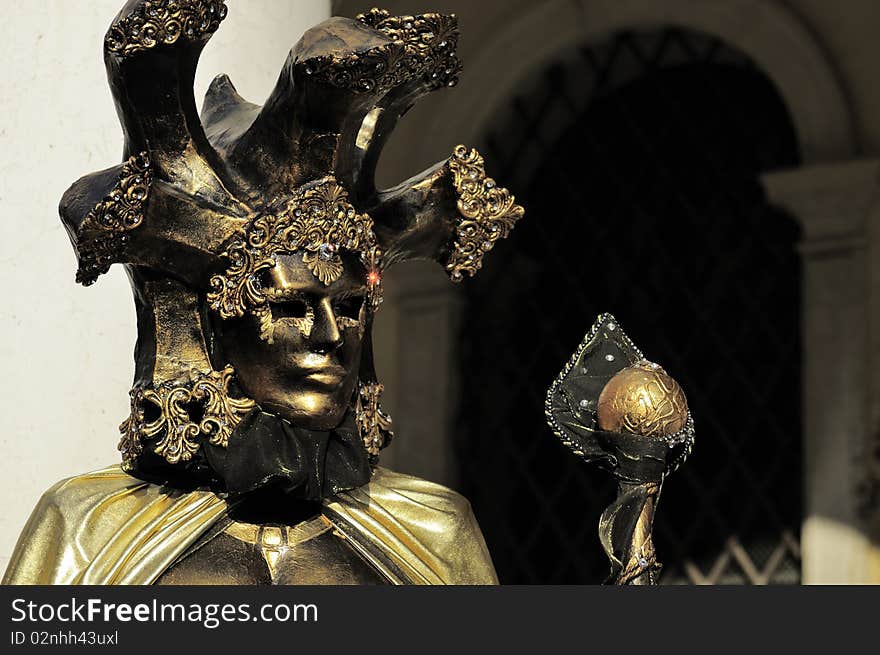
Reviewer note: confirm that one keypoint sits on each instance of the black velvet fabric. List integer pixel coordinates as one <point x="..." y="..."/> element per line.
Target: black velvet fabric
<point x="267" y="451"/>
<point x="637" y="459"/>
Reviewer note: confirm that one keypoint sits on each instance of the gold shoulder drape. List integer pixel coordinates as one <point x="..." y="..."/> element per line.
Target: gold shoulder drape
<point x="107" y="527"/>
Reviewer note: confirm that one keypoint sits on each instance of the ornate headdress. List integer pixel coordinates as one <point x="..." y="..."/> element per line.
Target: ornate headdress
<point x="202" y="205"/>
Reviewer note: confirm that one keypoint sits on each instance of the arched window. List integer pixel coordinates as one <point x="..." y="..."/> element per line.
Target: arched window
<point x="638" y="160"/>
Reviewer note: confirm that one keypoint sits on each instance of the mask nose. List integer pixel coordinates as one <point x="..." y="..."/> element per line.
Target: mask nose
<point x="326" y="336"/>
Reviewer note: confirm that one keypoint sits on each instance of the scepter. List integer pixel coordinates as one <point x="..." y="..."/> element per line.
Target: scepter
<point x="615" y="409"/>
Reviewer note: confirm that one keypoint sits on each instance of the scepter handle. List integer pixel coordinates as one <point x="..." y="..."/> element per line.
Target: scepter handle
<point x="640" y="566"/>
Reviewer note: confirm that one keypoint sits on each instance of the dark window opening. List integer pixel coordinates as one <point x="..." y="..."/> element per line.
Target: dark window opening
<point x="638" y="162"/>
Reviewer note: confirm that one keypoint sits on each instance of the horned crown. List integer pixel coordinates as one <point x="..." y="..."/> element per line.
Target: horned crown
<point x="204" y="203"/>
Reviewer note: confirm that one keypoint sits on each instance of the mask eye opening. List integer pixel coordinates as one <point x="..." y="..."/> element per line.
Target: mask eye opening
<point x="349" y="307"/>
<point x="289" y="308"/>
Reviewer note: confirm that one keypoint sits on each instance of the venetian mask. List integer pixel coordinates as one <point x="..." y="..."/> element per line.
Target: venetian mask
<point x="255" y="238"/>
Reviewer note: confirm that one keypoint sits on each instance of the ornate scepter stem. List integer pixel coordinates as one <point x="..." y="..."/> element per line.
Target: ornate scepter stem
<point x="641" y="567"/>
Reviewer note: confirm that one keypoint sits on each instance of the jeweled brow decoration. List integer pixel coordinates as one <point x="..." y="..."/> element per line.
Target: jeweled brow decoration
<point x="319" y="222"/>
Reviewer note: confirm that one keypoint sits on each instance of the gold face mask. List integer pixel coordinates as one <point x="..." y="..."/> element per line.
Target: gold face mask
<point x="307" y="374"/>
<point x="254" y="237"/>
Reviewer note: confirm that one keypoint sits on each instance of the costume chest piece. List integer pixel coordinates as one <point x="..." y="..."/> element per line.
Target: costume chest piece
<point x="310" y="553"/>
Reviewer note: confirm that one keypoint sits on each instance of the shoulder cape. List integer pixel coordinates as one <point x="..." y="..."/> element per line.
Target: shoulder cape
<point x="107" y="527"/>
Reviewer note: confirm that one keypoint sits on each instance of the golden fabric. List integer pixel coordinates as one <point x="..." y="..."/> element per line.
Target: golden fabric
<point x="427" y="530"/>
<point x="107" y="527"/>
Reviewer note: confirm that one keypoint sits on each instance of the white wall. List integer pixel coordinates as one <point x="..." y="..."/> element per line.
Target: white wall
<point x="66" y="351"/>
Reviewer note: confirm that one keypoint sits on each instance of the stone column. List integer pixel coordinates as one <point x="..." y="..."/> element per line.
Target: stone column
<point x="838" y="211"/>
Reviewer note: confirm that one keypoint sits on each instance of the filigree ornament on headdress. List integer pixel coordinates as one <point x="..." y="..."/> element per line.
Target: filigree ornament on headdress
<point x="179" y="434"/>
<point x="158" y="22"/>
<point x="103" y="231"/>
<point x="373" y="424"/>
<point x="422" y="47"/>
<point x="320" y="223"/>
<point x="488" y="213"/>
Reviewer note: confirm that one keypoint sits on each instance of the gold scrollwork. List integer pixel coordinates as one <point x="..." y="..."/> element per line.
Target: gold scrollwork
<point x="156" y="22"/>
<point x="373" y="424"/>
<point x="488" y="213"/>
<point x="103" y="232"/>
<point x="429" y="42"/>
<point x="123" y="208"/>
<point x="421" y="47"/>
<point x="318" y="221"/>
<point x="178" y="432"/>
